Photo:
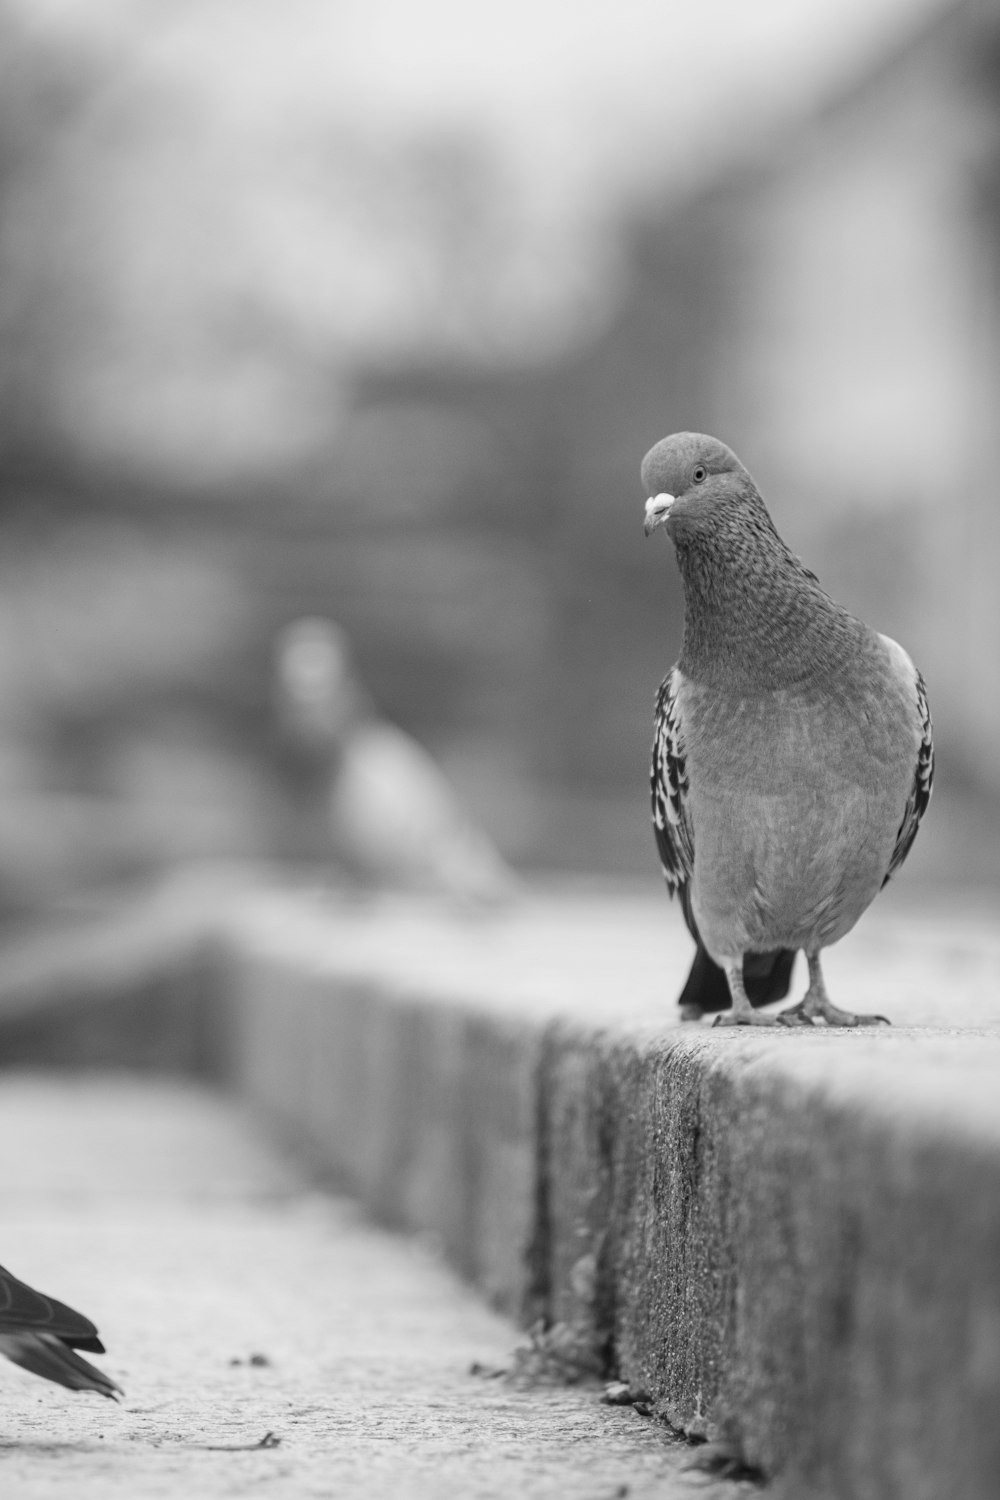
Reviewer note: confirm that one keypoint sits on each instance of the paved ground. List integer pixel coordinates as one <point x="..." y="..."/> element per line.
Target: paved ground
<point x="155" y="1209"/>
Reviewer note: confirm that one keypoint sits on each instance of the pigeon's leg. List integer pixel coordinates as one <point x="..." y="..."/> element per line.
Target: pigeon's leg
<point x="742" y="1013"/>
<point x="816" y="1003"/>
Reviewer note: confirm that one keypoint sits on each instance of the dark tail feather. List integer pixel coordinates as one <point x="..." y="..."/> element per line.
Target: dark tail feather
<point x="47" y="1355"/>
<point x="766" y="976"/>
<point x="706" y="988"/>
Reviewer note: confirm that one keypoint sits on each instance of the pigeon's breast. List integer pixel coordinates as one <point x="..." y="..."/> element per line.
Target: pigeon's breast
<point x="796" y="797"/>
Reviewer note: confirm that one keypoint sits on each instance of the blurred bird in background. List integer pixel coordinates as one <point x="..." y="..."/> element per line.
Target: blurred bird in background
<point x="369" y="797"/>
<point x="41" y="1335"/>
<point x="792" y="758"/>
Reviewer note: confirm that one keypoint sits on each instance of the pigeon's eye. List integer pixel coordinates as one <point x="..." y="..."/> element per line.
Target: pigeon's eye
<point x="700" y="474"/>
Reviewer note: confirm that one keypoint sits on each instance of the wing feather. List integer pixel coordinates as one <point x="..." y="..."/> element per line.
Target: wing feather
<point x="41" y="1335"/>
<point x="920" y="791"/>
<point x="24" y="1310"/>
<point x="669" y="788"/>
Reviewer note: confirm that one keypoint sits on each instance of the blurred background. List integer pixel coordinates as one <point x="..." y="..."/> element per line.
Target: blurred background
<point x="367" y="310"/>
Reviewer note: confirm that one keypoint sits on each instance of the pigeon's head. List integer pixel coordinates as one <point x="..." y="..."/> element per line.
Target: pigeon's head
<point x="318" y="691"/>
<point x="691" y="479"/>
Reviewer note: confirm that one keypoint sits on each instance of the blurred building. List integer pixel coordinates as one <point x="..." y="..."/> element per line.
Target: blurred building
<point x="261" y="364"/>
<point x="830" y="305"/>
<point x="861" y="359"/>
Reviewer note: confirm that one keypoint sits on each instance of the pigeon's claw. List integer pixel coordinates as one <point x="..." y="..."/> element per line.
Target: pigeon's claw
<point x="742" y="1013"/>
<point x="745" y="1018"/>
<point x="836" y="1017"/>
<point x="817" y="1005"/>
<point x="795" y="1016"/>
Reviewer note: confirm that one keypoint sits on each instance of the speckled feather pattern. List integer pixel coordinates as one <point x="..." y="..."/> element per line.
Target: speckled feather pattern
<point x="920" y="791"/>
<point x="669" y="788"/>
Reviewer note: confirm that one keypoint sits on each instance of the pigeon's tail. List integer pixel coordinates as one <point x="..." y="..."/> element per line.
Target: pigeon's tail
<point x="766" y="976"/>
<point x="47" y="1355"/>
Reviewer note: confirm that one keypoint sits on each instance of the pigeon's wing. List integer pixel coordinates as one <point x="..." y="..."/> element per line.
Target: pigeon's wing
<point x="23" y="1310"/>
<point x="669" y="788"/>
<point x="40" y="1334"/>
<point x="920" y="790"/>
<point x="46" y="1355"/>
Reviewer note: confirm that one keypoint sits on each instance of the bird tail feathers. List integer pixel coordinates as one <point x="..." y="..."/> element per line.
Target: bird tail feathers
<point x="766" y="976"/>
<point x="45" y="1354"/>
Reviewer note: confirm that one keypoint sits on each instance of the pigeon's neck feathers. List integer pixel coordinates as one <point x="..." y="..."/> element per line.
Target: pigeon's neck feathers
<point x="755" y="616"/>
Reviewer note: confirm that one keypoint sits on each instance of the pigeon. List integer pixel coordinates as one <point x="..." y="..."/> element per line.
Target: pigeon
<point x="792" y="757"/>
<point x="41" y="1335"/>
<point x="371" y="797"/>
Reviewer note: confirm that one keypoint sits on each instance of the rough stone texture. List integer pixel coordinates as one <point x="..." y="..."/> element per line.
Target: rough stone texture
<point x="754" y="1229"/>
<point x="152" y="1207"/>
<point x="789" y="1240"/>
<point x="791" y="1256"/>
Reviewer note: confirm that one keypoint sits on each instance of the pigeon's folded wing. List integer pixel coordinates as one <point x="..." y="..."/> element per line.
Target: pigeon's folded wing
<point x="24" y="1310"/>
<point x="41" y="1335"/>
<point x="923" y="779"/>
<point x="669" y="788"/>
<point x="46" y="1355"/>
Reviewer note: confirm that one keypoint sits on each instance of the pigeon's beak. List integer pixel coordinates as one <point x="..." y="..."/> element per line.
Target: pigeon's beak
<point x="658" y="508"/>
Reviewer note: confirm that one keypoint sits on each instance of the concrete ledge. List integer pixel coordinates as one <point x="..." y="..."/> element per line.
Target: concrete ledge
<point x="795" y="1247"/>
<point x="426" y="1110"/>
<point x="790" y="1241"/>
<point x="140" y="992"/>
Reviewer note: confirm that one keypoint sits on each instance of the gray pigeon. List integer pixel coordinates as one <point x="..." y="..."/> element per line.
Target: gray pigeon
<point x="792" y="758"/>
<point x="42" y="1335"/>
<point x="378" y="802"/>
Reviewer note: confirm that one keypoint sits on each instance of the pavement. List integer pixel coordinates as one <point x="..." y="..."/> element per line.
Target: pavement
<point x="269" y="1340"/>
<point x="788" y="1242"/>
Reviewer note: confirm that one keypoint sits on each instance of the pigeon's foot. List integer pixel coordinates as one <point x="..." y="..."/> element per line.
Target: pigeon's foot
<point x="742" y="1013"/>
<point x="691" y="1011"/>
<point x="816" y="1005"/>
<point x="835" y="1017"/>
<point x="825" y="1010"/>
<point x="745" y="1018"/>
<point x="795" y="1015"/>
